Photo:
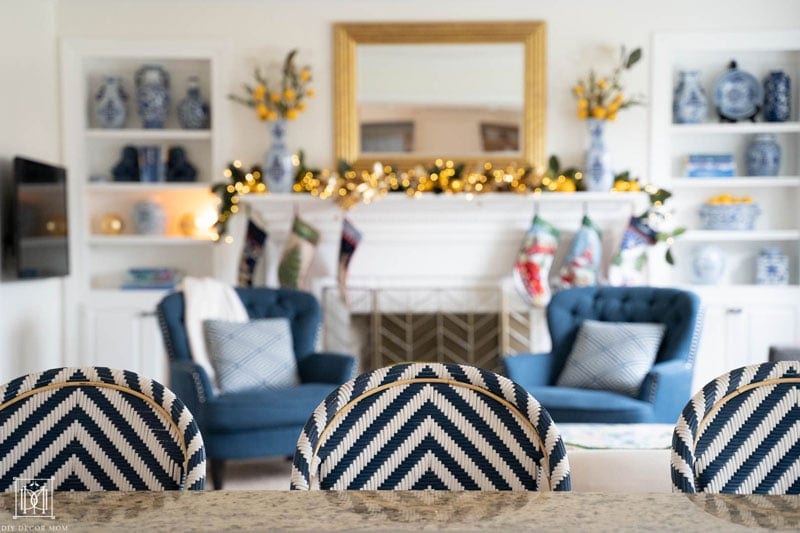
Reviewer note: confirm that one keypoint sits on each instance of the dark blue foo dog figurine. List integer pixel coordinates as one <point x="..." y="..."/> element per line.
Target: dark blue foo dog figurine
<point x="178" y="166"/>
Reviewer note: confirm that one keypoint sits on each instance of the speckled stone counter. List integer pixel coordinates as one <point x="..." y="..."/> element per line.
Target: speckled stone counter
<point x="405" y="511"/>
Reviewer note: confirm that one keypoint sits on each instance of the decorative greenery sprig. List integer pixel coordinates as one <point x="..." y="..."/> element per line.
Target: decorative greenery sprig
<point x="603" y="97"/>
<point x="567" y="180"/>
<point x="239" y="182"/>
<point x="284" y="99"/>
<point x="656" y="216"/>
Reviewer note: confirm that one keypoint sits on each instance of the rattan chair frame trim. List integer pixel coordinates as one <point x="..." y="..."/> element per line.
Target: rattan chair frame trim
<point x="158" y="407"/>
<point x="349" y="405"/>
<point x="712" y="411"/>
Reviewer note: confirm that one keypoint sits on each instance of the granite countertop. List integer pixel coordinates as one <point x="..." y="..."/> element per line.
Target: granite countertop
<point x="398" y="511"/>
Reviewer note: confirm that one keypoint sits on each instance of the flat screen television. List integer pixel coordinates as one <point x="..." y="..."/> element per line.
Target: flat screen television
<point x="35" y="222"/>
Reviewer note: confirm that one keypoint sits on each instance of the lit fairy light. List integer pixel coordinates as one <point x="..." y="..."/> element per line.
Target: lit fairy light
<point x="349" y="186"/>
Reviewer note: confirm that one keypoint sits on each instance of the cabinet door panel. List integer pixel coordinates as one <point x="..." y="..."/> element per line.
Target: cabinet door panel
<point x="711" y="352"/>
<point x="737" y="335"/>
<point x="128" y="339"/>
<point x="771" y="326"/>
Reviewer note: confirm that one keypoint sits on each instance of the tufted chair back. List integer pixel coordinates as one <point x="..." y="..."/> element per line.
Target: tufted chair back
<point x="416" y="426"/>
<point x="301" y="308"/>
<point x="741" y="433"/>
<point x="678" y="310"/>
<point x="95" y="428"/>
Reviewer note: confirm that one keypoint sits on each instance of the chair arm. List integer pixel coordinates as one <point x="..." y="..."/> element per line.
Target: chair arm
<point x="529" y="369"/>
<point x="189" y="381"/>
<point x="326" y="367"/>
<point x="668" y="387"/>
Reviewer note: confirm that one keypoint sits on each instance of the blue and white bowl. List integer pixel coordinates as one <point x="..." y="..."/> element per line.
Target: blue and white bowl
<point x="729" y="216"/>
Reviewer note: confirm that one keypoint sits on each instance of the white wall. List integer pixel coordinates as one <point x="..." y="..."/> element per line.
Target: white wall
<point x="30" y="311"/>
<point x="581" y="34"/>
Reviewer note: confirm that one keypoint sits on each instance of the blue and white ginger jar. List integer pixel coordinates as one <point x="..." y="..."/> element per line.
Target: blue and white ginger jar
<point x="708" y="265"/>
<point x="152" y="95"/>
<point x="689" y="101"/>
<point x="763" y="157"/>
<point x="777" y="97"/>
<point x="149" y="218"/>
<point x="111" y="104"/>
<point x="193" y="112"/>
<point x="772" y="267"/>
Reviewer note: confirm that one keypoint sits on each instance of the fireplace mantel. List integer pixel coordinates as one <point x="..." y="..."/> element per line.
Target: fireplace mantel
<point x="449" y="240"/>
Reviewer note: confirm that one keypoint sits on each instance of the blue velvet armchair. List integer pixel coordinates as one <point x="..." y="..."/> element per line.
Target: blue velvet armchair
<point x="254" y="423"/>
<point x="665" y="390"/>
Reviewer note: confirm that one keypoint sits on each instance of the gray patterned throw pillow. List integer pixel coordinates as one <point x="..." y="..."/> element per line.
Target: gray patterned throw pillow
<point x="612" y="356"/>
<point x="251" y="355"/>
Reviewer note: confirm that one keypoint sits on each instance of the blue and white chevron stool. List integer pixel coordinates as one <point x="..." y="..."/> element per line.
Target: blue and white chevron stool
<point x="741" y="433"/>
<point x="417" y="426"/>
<point x="97" y="428"/>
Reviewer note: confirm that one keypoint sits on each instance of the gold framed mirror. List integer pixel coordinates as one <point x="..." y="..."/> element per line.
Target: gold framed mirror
<point x="409" y="93"/>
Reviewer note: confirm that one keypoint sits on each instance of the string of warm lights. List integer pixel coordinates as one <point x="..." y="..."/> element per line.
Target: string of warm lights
<point x="349" y="187"/>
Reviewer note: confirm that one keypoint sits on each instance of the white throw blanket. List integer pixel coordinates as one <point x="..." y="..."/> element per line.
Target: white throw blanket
<point x="208" y="299"/>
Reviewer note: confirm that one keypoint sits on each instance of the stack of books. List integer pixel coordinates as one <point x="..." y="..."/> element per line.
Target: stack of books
<point x="151" y="279"/>
<point x="710" y="166"/>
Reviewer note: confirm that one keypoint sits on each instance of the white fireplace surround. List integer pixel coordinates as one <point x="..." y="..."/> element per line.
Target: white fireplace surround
<point x="439" y="240"/>
<point x="419" y="245"/>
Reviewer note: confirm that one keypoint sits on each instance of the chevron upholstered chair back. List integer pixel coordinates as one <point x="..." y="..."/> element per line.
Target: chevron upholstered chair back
<point x="741" y="433"/>
<point x="438" y="426"/>
<point x="95" y="428"/>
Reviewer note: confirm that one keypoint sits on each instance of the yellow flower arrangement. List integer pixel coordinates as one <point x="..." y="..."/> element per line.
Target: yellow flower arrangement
<point x="282" y="100"/>
<point x="602" y="98"/>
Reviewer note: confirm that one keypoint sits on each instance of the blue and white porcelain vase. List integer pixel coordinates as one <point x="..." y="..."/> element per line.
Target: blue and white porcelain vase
<point x="777" y="97"/>
<point x="689" y="101"/>
<point x="763" y="156"/>
<point x="278" y="166"/>
<point x="598" y="176"/>
<point x="152" y="95"/>
<point x="111" y="104"/>
<point x="192" y="110"/>
<point x="707" y="265"/>
<point x="149" y="218"/>
<point x="772" y="267"/>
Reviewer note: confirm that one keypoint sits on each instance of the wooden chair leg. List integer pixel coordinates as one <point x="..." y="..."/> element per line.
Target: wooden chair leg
<point x="217" y="473"/>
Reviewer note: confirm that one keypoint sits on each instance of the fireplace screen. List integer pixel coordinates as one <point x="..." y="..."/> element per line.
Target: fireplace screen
<point x="473" y="326"/>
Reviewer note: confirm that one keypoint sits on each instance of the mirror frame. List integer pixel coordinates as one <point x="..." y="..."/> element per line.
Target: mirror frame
<point x="346" y="36"/>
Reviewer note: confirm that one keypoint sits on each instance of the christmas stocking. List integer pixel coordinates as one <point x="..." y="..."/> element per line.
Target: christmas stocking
<point x="582" y="264"/>
<point x="349" y="242"/>
<point x="628" y="266"/>
<point x="252" y="252"/>
<point x="534" y="260"/>
<point x="298" y="254"/>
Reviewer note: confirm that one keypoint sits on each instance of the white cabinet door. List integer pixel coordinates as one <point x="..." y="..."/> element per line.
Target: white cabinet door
<point x="710" y="359"/>
<point x="126" y="338"/>
<point x="740" y="334"/>
<point x="771" y="326"/>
